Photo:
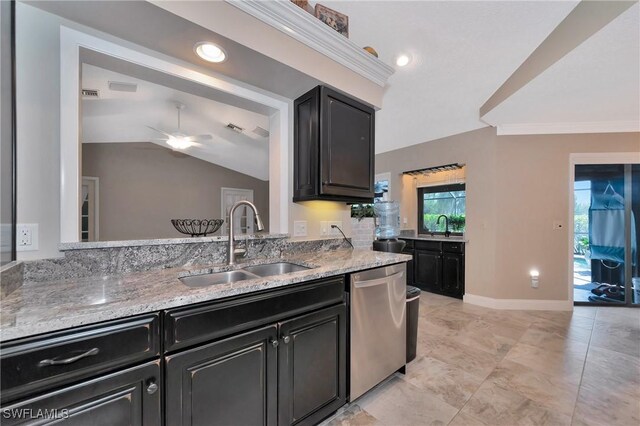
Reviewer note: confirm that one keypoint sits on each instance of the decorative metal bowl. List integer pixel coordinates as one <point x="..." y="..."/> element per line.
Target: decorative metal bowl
<point x="197" y="227"/>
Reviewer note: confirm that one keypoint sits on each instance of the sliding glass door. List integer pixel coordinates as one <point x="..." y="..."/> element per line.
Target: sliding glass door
<point x="605" y="260"/>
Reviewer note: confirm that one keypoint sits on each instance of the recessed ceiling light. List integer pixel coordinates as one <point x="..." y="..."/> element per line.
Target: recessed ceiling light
<point x="403" y="60"/>
<point x="210" y="52"/>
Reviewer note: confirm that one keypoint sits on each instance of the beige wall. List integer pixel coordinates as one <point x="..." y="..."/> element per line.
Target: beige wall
<point x="517" y="186"/>
<point x="143" y="186"/>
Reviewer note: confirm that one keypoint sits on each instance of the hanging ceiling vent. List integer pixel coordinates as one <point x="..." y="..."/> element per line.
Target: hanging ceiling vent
<point x="261" y="132"/>
<point x="430" y="170"/>
<point x="118" y="86"/>
<point x="90" y="93"/>
<point x="235" y="128"/>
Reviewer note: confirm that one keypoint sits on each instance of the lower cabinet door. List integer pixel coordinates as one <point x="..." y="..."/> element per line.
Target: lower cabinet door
<point x="312" y="366"/>
<point x="428" y="270"/>
<point x="128" y="397"/>
<point x="453" y="274"/>
<point x="228" y="382"/>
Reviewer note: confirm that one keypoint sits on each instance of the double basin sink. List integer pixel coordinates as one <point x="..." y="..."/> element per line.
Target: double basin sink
<point x="246" y="273"/>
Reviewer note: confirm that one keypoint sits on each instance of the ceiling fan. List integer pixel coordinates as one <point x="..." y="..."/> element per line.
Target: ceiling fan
<point x="179" y="140"/>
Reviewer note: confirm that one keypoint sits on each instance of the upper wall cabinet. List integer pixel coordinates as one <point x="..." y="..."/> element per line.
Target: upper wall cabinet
<point x="333" y="148"/>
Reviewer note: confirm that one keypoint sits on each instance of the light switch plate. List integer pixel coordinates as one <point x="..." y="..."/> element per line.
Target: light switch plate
<point x="299" y="228"/>
<point x="324" y="228"/>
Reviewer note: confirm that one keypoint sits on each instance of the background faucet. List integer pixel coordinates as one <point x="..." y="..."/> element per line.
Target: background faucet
<point x="231" y="249"/>
<point x="446" y="224"/>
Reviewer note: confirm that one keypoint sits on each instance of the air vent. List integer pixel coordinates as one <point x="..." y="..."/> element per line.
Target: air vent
<point x="91" y="93"/>
<point x="235" y="128"/>
<point x="261" y="132"/>
<point x="118" y="86"/>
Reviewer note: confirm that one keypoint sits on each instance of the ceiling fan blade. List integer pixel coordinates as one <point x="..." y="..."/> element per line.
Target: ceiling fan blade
<point x="200" y="138"/>
<point x="169" y="135"/>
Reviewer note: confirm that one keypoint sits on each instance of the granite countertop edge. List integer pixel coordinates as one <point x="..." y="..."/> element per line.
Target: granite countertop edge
<point x="44" y="307"/>
<point x="161" y="241"/>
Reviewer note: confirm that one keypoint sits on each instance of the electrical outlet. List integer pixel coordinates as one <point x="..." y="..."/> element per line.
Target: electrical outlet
<point x="334" y="231"/>
<point x="535" y="278"/>
<point x="27" y="237"/>
<point x="324" y="228"/>
<point x="299" y="228"/>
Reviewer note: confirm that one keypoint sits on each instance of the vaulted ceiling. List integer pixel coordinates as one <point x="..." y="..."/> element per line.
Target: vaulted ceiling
<point x="121" y="117"/>
<point x="462" y="52"/>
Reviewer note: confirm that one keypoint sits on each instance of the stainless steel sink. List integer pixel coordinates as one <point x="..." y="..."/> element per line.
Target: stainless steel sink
<point x="205" y="280"/>
<point x="277" y="268"/>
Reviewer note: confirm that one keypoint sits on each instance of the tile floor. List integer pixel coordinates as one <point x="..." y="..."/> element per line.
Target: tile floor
<point x="478" y="366"/>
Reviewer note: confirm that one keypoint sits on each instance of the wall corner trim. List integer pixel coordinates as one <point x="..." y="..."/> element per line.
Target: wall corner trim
<point x="305" y="28"/>
<point x="519" y="304"/>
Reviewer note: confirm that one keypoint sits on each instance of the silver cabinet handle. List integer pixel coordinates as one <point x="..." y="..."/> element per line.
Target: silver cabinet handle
<point x="286" y="339"/>
<point x="47" y="362"/>
<point x="274" y="343"/>
<point x="152" y="388"/>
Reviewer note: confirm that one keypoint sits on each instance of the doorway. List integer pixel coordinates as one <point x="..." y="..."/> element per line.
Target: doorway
<point x="605" y="263"/>
<point x="243" y="218"/>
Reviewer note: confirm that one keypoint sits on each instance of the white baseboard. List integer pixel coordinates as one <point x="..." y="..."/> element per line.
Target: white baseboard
<point x="519" y="304"/>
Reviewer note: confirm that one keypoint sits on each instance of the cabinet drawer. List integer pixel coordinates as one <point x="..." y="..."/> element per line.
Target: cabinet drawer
<point x="188" y="326"/>
<point x="453" y="247"/>
<point x="126" y="397"/>
<point x="428" y="245"/>
<point x="39" y="363"/>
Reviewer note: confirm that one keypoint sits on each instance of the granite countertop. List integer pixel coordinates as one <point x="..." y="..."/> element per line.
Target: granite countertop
<point x="42" y="307"/>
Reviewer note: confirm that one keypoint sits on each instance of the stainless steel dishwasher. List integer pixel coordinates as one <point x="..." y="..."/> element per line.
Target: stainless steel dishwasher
<point x="378" y="326"/>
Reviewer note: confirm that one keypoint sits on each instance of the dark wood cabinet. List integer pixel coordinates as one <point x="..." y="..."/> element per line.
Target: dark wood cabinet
<point x="312" y="366"/>
<point x="289" y="373"/>
<point x="453" y="274"/>
<point x="231" y="381"/>
<point x="428" y="270"/>
<point x="438" y="267"/>
<point x="410" y="265"/>
<point x="334" y="139"/>
<point x="270" y="358"/>
<point x="128" y="397"/>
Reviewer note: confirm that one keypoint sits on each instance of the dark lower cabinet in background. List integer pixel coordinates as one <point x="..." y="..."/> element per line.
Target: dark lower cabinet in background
<point x="453" y="274"/>
<point x="128" y="397"/>
<point x="428" y="270"/>
<point x="438" y="267"/>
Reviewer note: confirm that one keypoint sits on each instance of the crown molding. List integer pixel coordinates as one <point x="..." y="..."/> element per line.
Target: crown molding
<point x="291" y="20"/>
<point x="564" y="128"/>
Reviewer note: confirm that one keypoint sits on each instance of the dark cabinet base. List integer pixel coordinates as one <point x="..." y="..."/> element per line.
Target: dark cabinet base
<point x="227" y="382"/>
<point x="128" y="397"/>
<point x="438" y="267"/>
<point x="312" y="366"/>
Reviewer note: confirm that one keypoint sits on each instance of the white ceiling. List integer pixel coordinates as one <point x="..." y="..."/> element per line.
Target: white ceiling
<point x="598" y="82"/>
<point x="124" y="117"/>
<point x="464" y="51"/>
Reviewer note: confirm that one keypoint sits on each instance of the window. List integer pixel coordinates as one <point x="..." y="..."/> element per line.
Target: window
<point x="449" y="200"/>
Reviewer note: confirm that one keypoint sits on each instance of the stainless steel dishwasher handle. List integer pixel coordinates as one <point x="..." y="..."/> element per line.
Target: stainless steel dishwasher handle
<point x="378" y="281"/>
<point x="64" y="361"/>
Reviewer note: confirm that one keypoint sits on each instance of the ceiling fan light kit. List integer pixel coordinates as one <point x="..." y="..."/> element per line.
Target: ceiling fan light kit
<point x="178" y="140"/>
